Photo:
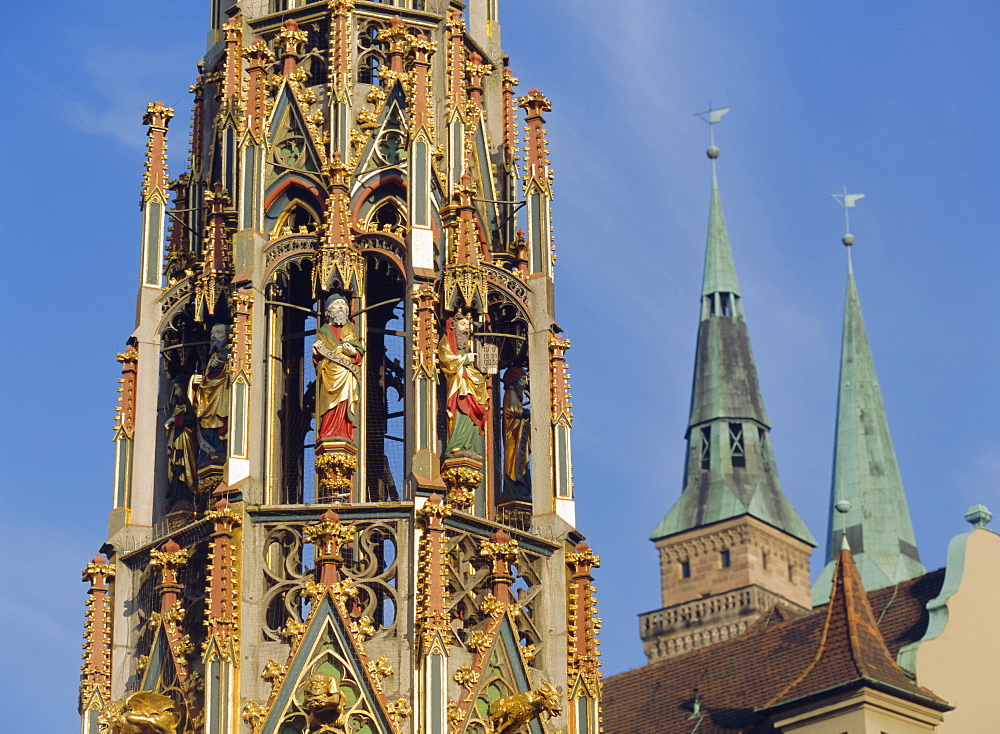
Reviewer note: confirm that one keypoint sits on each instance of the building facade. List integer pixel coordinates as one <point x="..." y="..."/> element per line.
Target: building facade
<point x="343" y="496"/>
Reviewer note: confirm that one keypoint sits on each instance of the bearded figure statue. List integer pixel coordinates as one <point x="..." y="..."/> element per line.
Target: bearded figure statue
<point x="468" y="400"/>
<point x="337" y="354"/>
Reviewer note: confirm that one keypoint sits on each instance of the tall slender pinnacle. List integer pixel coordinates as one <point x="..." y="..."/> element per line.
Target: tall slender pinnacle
<point x="867" y="488"/>
<point x="730" y="466"/>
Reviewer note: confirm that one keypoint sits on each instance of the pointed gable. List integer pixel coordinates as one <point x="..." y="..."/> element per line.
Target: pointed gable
<point x="851" y="650"/>
<point x="328" y="653"/>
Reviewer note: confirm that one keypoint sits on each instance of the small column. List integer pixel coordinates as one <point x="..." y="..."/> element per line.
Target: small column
<point x="455" y="102"/>
<point x="583" y="653"/>
<point x="95" y="679"/>
<point x="125" y="428"/>
<point x="170" y="558"/>
<point x="228" y="120"/>
<point x="502" y="551"/>
<point x="241" y="371"/>
<point x="180" y="259"/>
<point x="328" y="536"/>
<point x="433" y="622"/>
<point x="154" y="192"/>
<point x="537" y="183"/>
<point x="221" y="659"/>
<point x="562" y="422"/>
<point x="339" y="79"/>
<point x="213" y="281"/>
<point x="258" y="56"/>
<point x="398" y="39"/>
<point x="420" y="235"/>
<point x="509" y="150"/>
<point x="288" y="45"/>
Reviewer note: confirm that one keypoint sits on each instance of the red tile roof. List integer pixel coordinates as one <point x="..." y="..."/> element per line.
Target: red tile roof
<point x="721" y="689"/>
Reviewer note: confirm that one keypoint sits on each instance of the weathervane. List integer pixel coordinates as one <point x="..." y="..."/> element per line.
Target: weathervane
<point x="712" y="117"/>
<point x="847" y="201"/>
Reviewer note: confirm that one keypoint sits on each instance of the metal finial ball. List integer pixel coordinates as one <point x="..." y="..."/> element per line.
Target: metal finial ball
<point x="712" y="152"/>
<point x="848" y="239"/>
<point x="843" y="507"/>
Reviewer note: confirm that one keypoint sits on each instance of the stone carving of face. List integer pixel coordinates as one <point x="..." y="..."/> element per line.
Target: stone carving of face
<point x="337" y="312"/>
<point x="463" y="328"/>
<point x="218" y="337"/>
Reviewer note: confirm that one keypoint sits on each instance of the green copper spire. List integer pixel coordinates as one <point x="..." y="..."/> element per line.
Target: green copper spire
<point x="730" y="466"/>
<point x="720" y="272"/>
<point x="867" y="498"/>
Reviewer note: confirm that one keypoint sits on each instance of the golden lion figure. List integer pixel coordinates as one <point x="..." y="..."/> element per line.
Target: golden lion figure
<point x="511" y="714"/>
<point x="143" y="712"/>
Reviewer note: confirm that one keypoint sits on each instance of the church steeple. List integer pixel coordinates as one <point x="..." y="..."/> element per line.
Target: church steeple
<point x="730" y="466"/>
<point x="732" y="533"/>
<point x="867" y="498"/>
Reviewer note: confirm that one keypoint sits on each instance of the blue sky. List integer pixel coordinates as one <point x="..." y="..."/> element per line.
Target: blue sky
<point x="894" y="99"/>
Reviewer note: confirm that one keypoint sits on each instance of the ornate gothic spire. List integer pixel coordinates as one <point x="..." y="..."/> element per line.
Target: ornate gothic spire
<point x="730" y="467"/>
<point x="867" y="498"/>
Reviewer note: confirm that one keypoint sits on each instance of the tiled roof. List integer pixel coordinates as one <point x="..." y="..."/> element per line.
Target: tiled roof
<point x="775" y="661"/>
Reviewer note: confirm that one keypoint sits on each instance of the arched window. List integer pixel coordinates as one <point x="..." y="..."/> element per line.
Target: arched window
<point x="371" y="54"/>
<point x="385" y="380"/>
<point x="291" y="386"/>
<point x="298" y="217"/>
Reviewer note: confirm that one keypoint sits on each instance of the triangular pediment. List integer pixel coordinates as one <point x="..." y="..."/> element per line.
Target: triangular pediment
<point x="292" y="149"/>
<point x="386" y="147"/>
<point x="504" y="674"/>
<point x="327" y="682"/>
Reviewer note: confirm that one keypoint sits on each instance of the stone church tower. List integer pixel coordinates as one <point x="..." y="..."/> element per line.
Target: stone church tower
<point x="732" y="546"/>
<point x="343" y="496"/>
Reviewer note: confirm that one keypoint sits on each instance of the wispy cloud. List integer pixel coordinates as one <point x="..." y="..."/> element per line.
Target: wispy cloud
<point x="120" y="84"/>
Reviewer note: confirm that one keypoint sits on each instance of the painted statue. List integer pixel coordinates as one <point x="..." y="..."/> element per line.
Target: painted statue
<point x="337" y="354"/>
<point x="324" y="704"/>
<point x="211" y="397"/>
<point x="516" y="433"/>
<point x="182" y="448"/>
<point x="468" y="401"/>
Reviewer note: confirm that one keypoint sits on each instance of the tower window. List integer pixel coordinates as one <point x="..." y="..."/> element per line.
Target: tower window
<point x="763" y="560"/>
<point x="706" y="447"/>
<point x="736" y="450"/>
<point x="791" y="572"/>
<point x="725" y="558"/>
<point x="725" y="304"/>
<point x="762" y="440"/>
<point x="685" y="569"/>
